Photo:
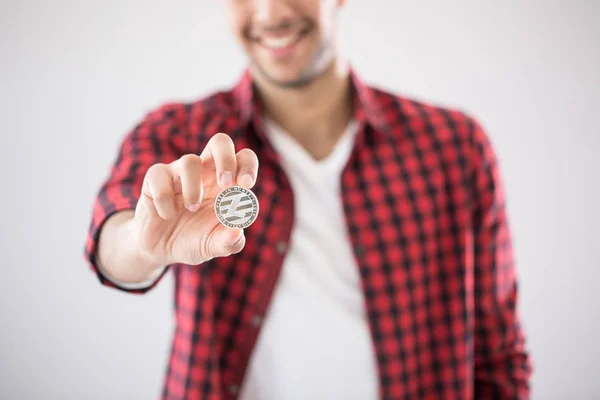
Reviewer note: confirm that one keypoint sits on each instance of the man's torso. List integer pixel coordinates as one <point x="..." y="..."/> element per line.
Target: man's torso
<point x="405" y="196"/>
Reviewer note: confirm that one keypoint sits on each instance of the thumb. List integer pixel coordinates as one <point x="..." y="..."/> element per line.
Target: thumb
<point x="227" y="241"/>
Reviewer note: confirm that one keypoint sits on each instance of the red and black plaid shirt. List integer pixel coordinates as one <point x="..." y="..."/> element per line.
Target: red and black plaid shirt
<point x="425" y="214"/>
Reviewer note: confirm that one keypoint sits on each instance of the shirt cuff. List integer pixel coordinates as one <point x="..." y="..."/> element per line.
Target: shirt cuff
<point x="127" y="285"/>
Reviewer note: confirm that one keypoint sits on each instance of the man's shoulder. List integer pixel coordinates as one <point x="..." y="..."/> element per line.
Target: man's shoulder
<point x="431" y="125"/>
<point x="213" y="109"/>
<point x="420" y="116"/>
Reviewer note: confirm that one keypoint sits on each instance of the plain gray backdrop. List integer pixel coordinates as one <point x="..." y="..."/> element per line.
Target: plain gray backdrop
<point x="76" y="75"/>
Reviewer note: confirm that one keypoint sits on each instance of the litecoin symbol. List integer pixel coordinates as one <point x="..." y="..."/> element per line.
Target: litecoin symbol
<point x="236" y="207"/>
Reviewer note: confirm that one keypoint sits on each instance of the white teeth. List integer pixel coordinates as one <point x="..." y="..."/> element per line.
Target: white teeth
<point x="278" y="43"/>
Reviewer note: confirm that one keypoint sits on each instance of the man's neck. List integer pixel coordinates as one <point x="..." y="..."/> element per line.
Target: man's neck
<point x="315" y="115"/>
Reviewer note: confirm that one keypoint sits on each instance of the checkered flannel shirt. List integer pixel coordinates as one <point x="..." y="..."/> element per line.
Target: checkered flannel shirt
<point x="425" y="212"/>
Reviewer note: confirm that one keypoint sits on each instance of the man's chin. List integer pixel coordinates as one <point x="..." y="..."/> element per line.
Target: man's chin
<point x="283" y="80"/>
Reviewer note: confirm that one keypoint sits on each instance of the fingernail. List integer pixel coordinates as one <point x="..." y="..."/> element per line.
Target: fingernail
<point x="226" y="178"/>
<point x="246" y="180"/>
<point x="193" y="207"/>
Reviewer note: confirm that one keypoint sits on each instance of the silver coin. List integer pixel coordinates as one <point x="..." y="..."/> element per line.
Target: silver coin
<point x="236" y="207"/>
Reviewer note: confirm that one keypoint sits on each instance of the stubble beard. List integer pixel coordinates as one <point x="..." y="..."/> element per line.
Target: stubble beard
<point x="318" y="64"/>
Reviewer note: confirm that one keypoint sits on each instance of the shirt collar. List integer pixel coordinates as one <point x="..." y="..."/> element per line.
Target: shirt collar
<point x="369" y="104"/>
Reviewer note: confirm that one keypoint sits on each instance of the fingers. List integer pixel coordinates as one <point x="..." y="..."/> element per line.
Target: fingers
<point x="240" y="168"/>
<point x="164" y="182"/>
<point x="247" y="168"/>
<point x="158" y="185"/>
<point x="221" y="149"/>
<point x="184" y="176"/>
<point x="189" y="170"/>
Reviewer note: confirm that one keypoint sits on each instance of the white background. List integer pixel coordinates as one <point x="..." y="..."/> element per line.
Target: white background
<point x="75" y="76"/>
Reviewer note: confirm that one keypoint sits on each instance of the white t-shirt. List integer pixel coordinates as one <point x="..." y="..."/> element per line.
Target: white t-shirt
<point x="315" y="341"/>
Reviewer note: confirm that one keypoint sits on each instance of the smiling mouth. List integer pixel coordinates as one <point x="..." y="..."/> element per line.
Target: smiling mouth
<point x="278" y="42"/>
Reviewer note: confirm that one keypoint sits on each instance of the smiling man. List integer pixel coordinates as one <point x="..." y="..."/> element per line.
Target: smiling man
<point x="380" y="264"/>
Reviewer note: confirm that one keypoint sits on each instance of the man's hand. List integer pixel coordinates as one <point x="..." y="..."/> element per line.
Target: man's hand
<point x="174" y="220"/>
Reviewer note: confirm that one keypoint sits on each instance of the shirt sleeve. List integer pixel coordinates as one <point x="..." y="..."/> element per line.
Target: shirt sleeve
<point x="502" y="364"/>
<point x="153" y="140"/>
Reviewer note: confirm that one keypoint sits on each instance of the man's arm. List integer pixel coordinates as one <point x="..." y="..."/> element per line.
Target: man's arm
<point x="502" y="365"/>
<point x="109" y="249"/>
<point x="117" y="253"/>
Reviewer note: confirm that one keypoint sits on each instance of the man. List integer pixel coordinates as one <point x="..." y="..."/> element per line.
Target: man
<point x="380" y="263"/>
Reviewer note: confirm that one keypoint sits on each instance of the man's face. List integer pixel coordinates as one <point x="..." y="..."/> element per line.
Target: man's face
<point x="289" y="42"/>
